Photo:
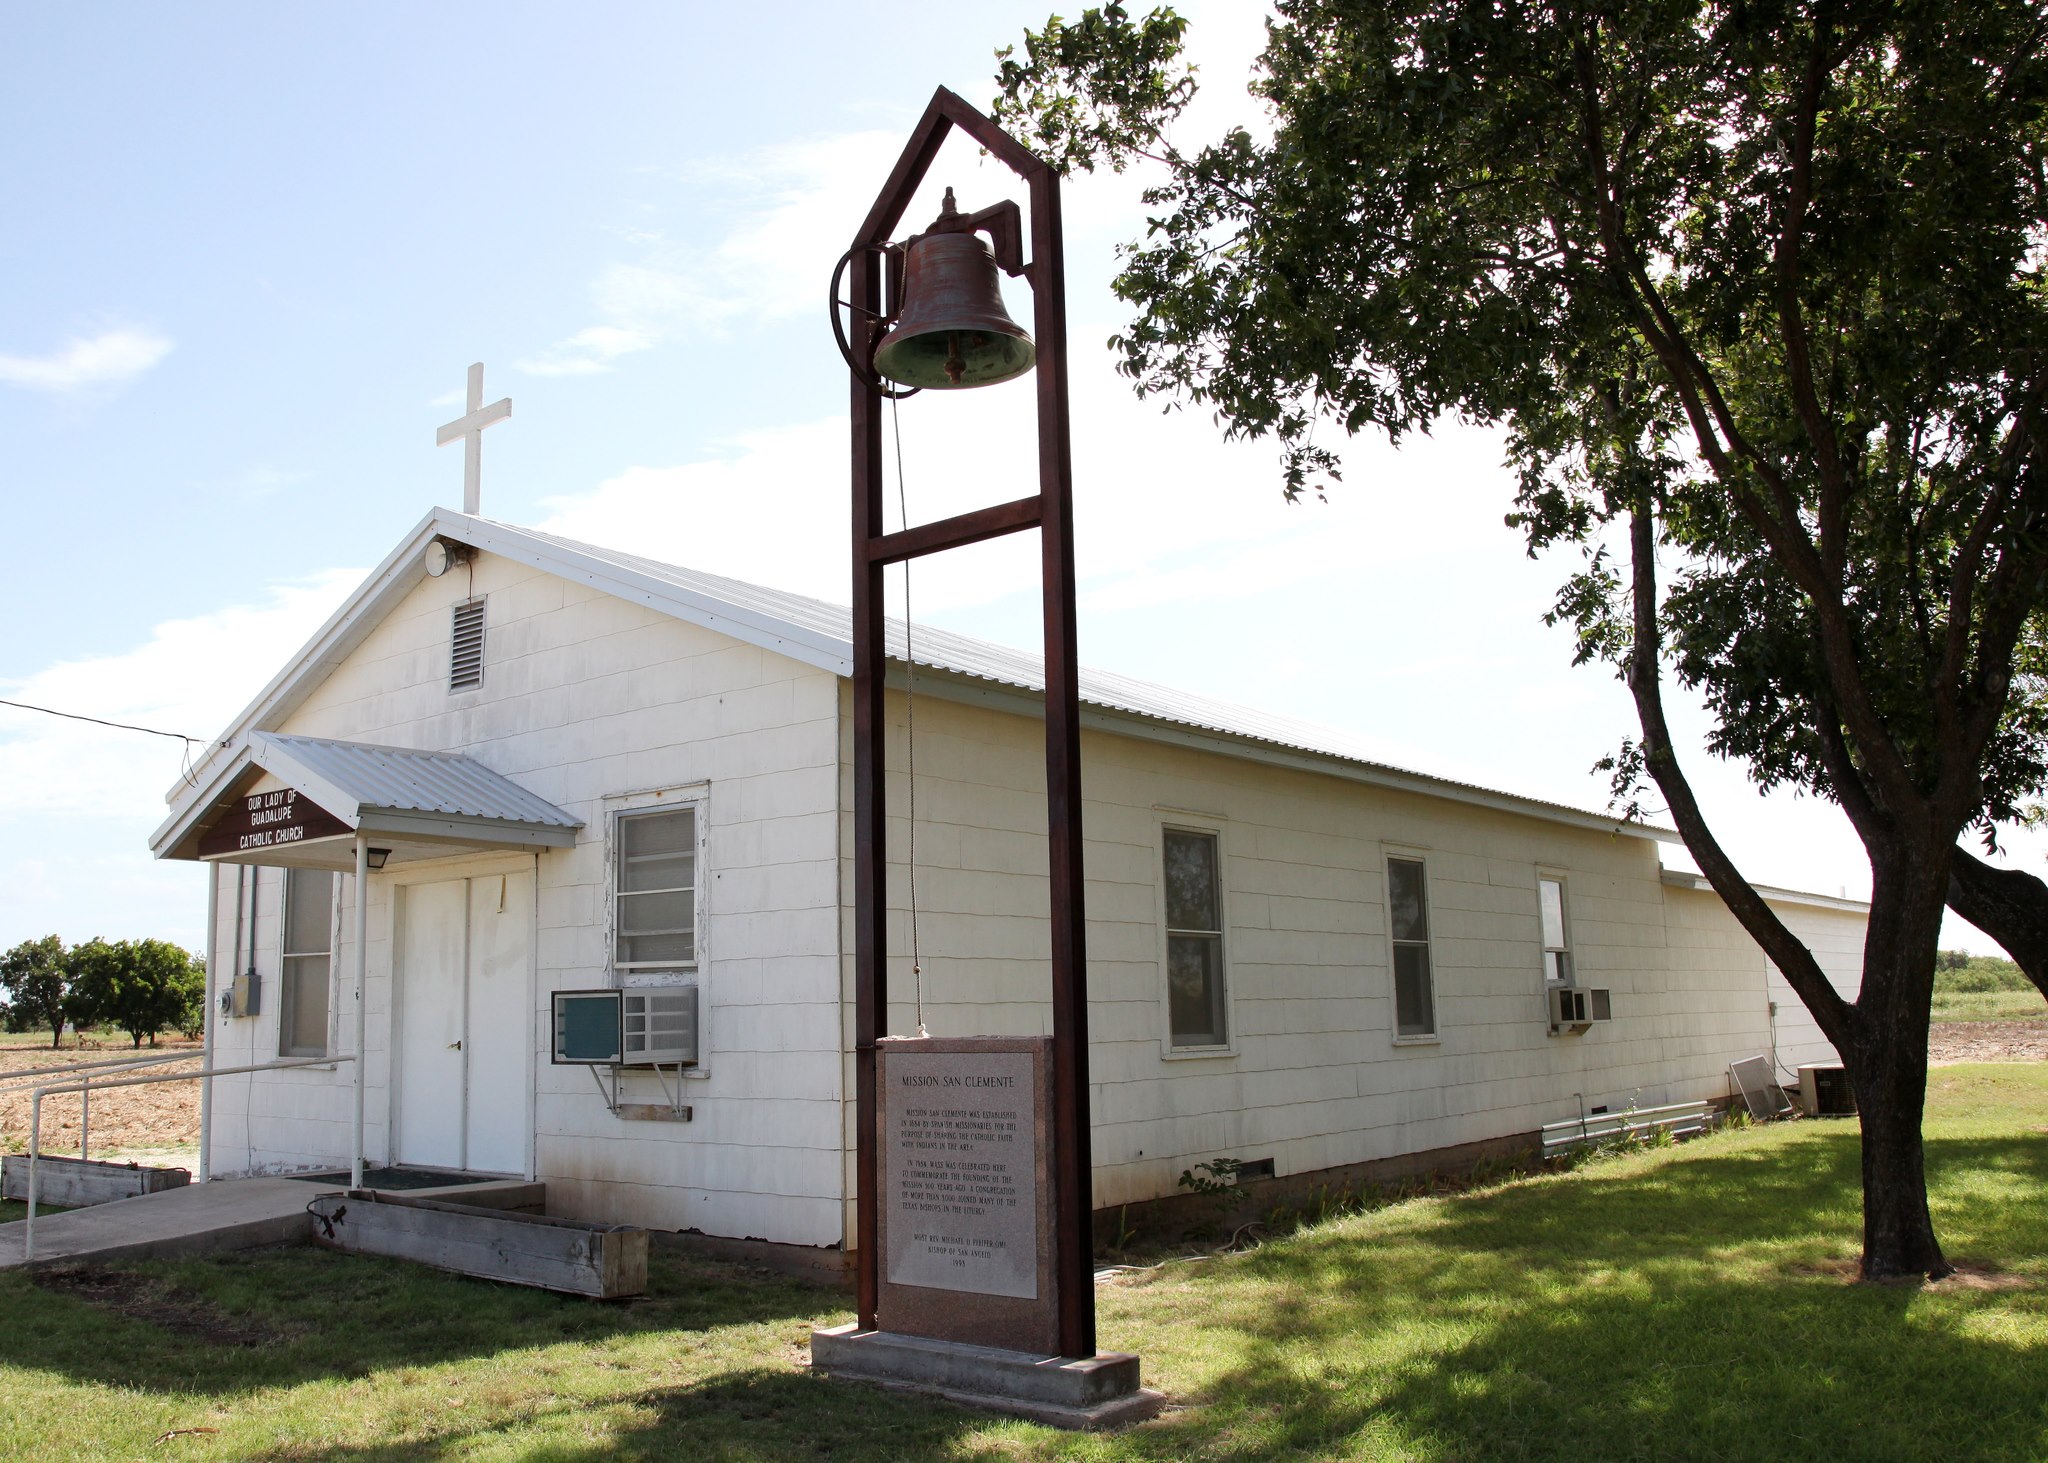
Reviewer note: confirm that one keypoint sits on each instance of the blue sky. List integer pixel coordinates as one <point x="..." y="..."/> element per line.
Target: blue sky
<point x="251" y="250"/>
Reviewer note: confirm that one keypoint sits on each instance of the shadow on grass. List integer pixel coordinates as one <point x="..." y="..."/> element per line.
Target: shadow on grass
<point x="756" y="1415"/>
<point x="1690" y="1306"/>
<point x="1695" y="1308"/>
<point x="225" y="1325"/>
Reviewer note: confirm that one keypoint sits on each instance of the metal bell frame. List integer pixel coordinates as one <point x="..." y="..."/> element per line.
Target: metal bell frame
<point x="1050" y="511"/>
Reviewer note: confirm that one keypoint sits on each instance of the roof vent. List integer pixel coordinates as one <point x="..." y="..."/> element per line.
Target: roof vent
<point x="466" y="658"/>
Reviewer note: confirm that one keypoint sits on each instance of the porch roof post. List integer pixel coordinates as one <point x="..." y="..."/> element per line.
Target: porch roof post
<point x="355" y="1171"/>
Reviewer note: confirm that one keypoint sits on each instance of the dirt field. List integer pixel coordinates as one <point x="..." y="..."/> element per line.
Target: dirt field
<point x="164" y="1115"/>
<point x="1988" y="1041"/>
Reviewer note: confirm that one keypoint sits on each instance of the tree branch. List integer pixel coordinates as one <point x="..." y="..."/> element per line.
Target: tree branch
<point x="1794" y="961"/>
<point x="2006" y="904"/>
<point x="1791" y="314"/>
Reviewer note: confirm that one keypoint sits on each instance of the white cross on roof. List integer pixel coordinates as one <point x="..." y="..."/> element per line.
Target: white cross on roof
<point x="470" y="428"/>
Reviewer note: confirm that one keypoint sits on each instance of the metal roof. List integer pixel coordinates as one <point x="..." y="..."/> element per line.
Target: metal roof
<point x="821" y="623"/>
<point x="399" y="779"/>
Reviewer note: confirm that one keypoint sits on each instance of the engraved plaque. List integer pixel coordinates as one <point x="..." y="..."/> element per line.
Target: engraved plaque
<point x="962" y="1180"/>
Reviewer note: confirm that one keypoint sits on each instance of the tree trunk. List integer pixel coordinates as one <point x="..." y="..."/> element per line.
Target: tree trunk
<point x="2006" y="904"/>
<point x="1898" y="1232"/>
<point x="1886" y="1058"/>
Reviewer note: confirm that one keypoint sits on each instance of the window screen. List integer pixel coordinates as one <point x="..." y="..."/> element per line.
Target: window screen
<point x="308" y="960"/>
<point x="655" y="916"/>
<point x="1194" y="940"/>
<point x="1408" y="920"/>
<point x="1557" y="955"/>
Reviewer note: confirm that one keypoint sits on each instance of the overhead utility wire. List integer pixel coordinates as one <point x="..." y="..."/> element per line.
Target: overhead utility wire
<point x="96" y="721"/>
<point x="184" y="760"/>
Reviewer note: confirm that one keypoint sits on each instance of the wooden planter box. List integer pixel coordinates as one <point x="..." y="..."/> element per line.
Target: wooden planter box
<point x="603" y="1261"/>
<point x="75" y="1183"/>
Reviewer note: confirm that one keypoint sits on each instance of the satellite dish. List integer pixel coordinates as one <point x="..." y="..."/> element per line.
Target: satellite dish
<point x="443" y="553"/>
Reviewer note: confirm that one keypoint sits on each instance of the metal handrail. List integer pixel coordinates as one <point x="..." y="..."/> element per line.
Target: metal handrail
<point x="35" y="1115"/>
<point x="119" y="1064"/>
<point x="8" y="1078"/>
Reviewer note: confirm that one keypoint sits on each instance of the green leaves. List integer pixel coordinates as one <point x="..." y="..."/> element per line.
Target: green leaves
<point x="143" y="987"/>
<point x="1772" y="273"/>
<point x="1097" y="92"/>
<point x="35" y="978"/>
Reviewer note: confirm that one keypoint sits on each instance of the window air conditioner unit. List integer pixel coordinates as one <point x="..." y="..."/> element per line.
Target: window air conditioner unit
<point x="1576" y="1008"/>
<point x="660" y="1025"/>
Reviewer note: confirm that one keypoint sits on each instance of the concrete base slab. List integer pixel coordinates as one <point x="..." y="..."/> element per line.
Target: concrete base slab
<point x="1092" y="1394"/>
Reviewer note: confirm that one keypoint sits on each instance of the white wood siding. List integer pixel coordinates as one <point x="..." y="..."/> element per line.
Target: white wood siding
<point x="1312" y="1077"/>
<point x="586" y="697"/>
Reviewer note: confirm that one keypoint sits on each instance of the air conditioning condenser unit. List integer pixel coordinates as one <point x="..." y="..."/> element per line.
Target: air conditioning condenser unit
<point x="1577" y="1008"/>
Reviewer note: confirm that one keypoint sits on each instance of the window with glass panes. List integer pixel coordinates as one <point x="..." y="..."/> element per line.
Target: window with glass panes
<point x="1408" y="921"/>
<point x="1194" y="940"/>
<point x="308" y="961"/>
<point x="654" y="916"/>
<point x="1557" y="950"/>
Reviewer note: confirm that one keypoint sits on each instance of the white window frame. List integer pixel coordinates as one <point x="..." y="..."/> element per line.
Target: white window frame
<point x="285" y="985"/>
<point x="1389" y="853"/>
<point x="1212" y="829"/>
<point x="1564" y="914"/>
<point x="695" y="797"/>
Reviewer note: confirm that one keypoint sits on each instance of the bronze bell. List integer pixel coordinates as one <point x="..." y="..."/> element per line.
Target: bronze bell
<point x="952" y="330"/>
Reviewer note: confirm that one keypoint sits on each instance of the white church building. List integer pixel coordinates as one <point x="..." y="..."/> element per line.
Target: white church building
<point x="579" y="770"/>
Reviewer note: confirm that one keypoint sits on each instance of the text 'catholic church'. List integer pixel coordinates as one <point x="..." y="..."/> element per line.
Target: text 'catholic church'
<point x="575" y="770"/>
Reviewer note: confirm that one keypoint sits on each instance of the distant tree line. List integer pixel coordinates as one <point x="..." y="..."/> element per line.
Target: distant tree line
<point x="142" y="987"/>
<point x="1958" y="972"/>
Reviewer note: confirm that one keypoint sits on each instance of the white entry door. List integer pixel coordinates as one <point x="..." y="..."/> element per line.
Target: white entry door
<point x="462" y="1045"/>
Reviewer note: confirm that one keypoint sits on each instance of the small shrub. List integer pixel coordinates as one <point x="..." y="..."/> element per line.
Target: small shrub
<point x="1217" y="1176"/>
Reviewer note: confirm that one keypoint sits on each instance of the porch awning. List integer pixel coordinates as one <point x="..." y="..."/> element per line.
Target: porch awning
<point x="299" y="801"/>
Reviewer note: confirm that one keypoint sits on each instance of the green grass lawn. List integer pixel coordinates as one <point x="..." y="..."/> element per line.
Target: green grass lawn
<point x="2025" y="1005"/>
<point x="1678" y="1303"/>
<point x="1984" y="988"/>
<point x="13" y="1209"/>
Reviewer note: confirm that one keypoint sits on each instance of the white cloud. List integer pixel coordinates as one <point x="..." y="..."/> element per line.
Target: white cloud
<point x="78" y="802"/>
<point x="781" y="207"/>
<point x="190" y="676"/>
<point x="262" y="481"/>
<point x="106" y="359"/>
<point x="586" y="353"/>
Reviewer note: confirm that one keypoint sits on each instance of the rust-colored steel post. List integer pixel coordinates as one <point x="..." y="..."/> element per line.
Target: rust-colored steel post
<point x="1051" y="513"/>
<point x="1072" y="1164"/>
<point x="870" y="805"/>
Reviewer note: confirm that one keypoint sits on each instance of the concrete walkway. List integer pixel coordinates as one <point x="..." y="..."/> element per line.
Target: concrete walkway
<point x="228" y="1214"/>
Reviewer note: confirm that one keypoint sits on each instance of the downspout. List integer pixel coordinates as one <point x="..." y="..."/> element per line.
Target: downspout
<point x="206" y="1012"/>
<point x="355" y="1178"/>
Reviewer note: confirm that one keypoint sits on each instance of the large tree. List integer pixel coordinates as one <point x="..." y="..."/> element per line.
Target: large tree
<point x="1755" y="288"/>
<point x="36" y="979"/>
<point x="142" y="987"/>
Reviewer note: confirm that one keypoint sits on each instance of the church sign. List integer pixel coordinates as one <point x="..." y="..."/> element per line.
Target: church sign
<point x="265" y="821"/>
